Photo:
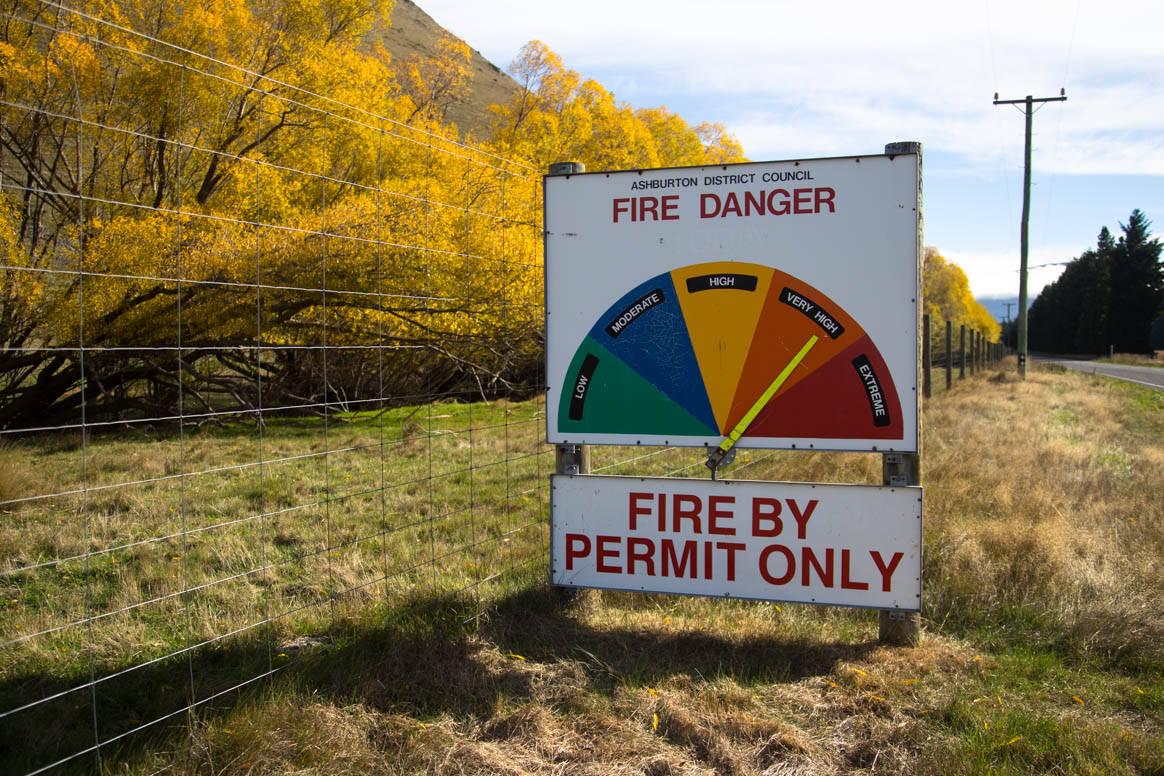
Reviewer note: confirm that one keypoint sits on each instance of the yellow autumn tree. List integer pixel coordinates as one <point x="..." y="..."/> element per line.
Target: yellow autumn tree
<point x="947" y="297"/>
<point x="274" y="188"/>
<point x="252" y="185"/>
<point x="437" y="82"/>
<point x="676" y="143"/>
<point x="558" y="115"/>
<point x="719" y="146"/>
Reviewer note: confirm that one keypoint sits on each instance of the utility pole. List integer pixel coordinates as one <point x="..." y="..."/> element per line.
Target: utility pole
<point x="1028" y="102"/>
<point x="1006" y="333"/>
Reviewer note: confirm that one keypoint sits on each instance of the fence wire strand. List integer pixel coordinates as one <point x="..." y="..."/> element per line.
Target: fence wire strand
<point x="309" y="406"/>
<point x="280" y="451"/>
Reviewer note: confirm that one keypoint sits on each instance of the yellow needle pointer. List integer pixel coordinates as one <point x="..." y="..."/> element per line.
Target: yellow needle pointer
<point x="721" y="452"/>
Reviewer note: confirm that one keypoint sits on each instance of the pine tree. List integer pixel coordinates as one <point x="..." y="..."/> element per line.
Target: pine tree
<point x="1137" y="286"/>
<point x="1091" y="323"/>
<point x="1106" y="297"/>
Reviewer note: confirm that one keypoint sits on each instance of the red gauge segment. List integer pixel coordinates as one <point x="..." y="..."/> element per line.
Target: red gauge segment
<point x="850" y="396"/>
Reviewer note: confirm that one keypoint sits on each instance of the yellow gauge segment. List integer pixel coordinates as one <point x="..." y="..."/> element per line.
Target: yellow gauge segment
<point x="721" y="302"/>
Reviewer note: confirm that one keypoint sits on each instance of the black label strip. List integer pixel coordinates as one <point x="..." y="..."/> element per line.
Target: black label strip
<point x="813" y="311"/>
<point x="647" y="301"/>
<point x="723" y="281"/>
<point x="582" y="385"/>
<point x="878" y="404"/>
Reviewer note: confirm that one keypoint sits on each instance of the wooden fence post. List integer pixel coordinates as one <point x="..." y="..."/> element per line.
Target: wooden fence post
<point x="569" y="459"/>
<point x="962" y="356"/>
<point x="900" y="629"/>
<point x="949" y="354"/>
<point x="926" y="390"/>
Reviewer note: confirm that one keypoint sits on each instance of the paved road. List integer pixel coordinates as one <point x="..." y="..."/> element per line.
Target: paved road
<point x="1144" y="375"/>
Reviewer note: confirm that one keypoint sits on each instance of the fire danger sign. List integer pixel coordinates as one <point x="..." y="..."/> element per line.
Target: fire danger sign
<point x="769" y="304"/>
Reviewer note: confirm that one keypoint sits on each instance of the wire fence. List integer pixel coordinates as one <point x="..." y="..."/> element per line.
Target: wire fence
<point x="270" y="376"/>
<point x="271" y="372"/>
<point x="962" y="349"/>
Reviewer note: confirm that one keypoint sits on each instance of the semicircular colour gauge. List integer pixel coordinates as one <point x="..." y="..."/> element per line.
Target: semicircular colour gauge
<point x="710" y="348"/>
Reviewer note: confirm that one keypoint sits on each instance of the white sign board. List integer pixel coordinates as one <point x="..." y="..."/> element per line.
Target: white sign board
<point x="841" y="545"/>
<point x="775" y="300"/>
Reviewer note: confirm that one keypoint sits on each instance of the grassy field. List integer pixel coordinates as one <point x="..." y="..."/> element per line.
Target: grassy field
<point x="206" y="569"/>
<point x="423" y="638"/>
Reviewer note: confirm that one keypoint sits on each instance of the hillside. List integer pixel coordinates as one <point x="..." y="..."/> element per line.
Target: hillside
<point x="415" y="32"/>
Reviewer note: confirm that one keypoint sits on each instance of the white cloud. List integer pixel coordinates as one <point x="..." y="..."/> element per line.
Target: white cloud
<point x="795" y="80"/>
<point x="836" y="74"/>
<point x="995" y="273"/>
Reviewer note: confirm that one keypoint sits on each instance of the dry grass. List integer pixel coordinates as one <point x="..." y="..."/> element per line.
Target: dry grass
<point x="572" y="715"/>
<point x="16" y="479"/>
<point x="1060" y="516"/>
<point x="1138" y="359"/>
<point x="1043" y="651"/>
<point x="667" y="698"/>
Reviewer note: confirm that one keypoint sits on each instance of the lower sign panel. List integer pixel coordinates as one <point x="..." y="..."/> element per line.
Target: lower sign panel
<point x="841" y="545"/>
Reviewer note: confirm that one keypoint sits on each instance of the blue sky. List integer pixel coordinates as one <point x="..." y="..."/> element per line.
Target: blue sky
<point x="800" y="80"/>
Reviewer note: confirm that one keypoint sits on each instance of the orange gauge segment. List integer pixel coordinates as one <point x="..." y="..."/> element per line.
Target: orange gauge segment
<point x="721" y="303"/>
<point x="793" y="312"/>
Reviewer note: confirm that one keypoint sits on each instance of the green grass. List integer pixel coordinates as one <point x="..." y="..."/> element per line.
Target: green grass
<point x="304" y="524"/>
<point x="411" y="629"/>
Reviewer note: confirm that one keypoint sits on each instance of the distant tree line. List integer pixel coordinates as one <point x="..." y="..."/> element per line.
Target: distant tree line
<point x="1107" y="297"/>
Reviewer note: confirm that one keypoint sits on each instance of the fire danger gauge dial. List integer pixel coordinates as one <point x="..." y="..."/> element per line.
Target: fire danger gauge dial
<point x="729" y="348"/>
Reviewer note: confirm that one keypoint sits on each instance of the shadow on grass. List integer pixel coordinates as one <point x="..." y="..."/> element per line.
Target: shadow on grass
<point x="533" y="623"/>
<point x="419" y="659"/>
